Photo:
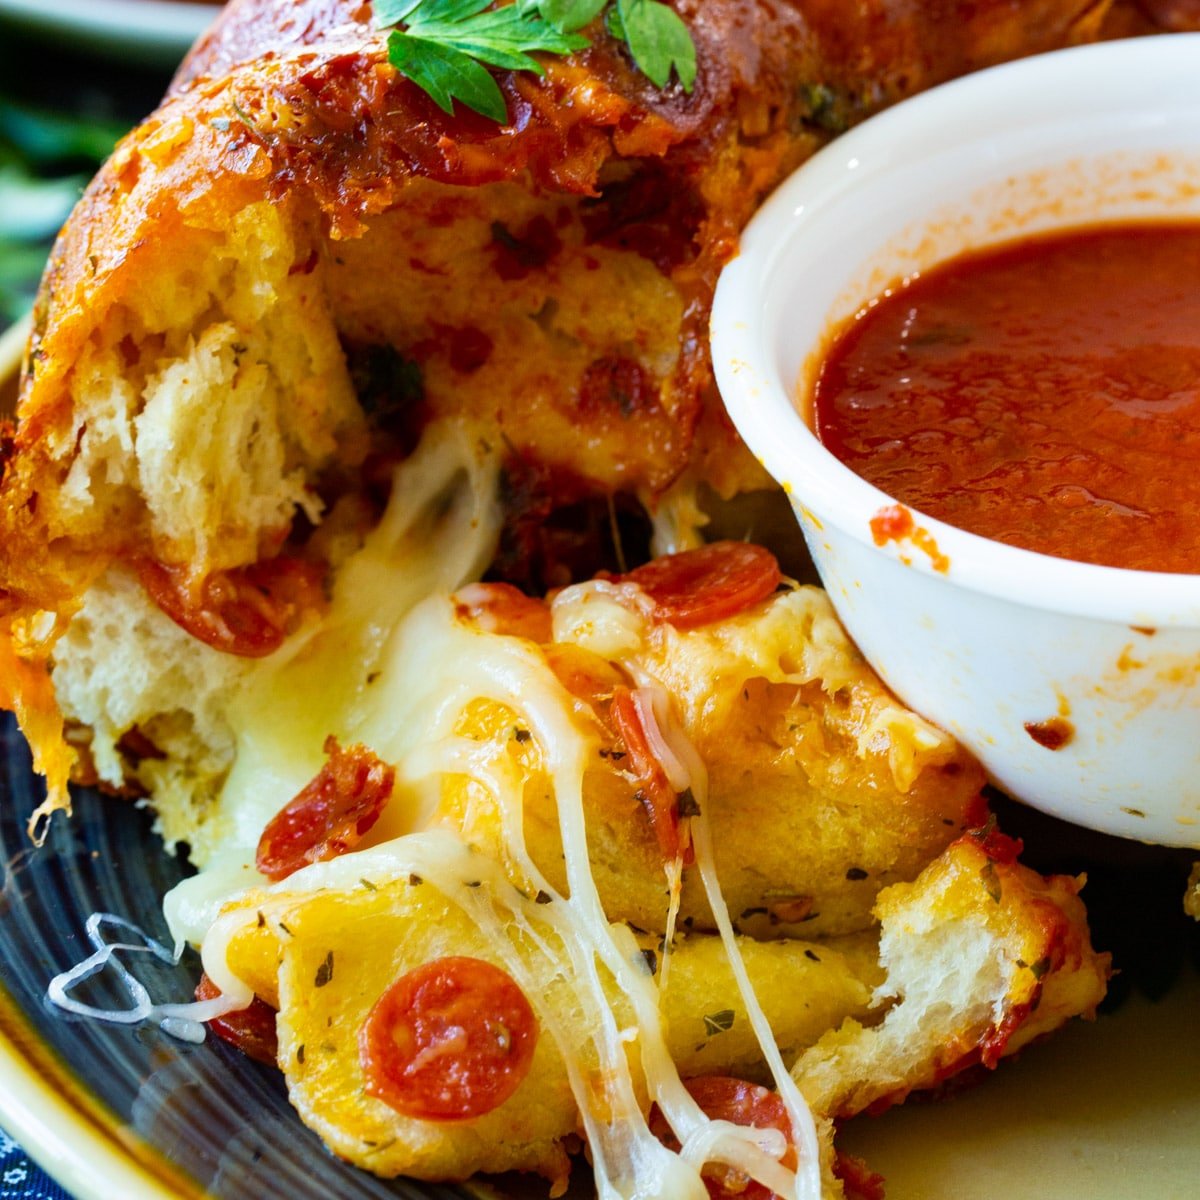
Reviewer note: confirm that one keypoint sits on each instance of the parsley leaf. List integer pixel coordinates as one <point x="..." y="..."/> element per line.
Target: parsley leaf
<point x="502" y="38"/>
<point x="446" y="46"/>
<point x="658" y="40"/>
<point x="991" y="881"/>
<point x="568" y="15"/>
<point x="392" y="12"/>
<point x="447" y="75"/>
<point x="718" y="1022"/>
<point x="324" y="971"/>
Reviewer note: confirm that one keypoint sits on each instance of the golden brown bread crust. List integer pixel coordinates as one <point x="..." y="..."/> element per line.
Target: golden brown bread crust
<point x="984" y="915"/>
<point x="295" y="102"/>
<point x="1176" y="15"/>
<point x="815" y="811"/>
<point x="292" y="107"/>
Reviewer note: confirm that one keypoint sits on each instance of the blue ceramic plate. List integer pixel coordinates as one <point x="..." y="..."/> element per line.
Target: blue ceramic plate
<point x="197" y="1117"/>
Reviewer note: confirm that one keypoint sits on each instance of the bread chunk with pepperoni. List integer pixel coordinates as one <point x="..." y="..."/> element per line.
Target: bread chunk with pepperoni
<point x="822" y="788"/>
<point x="969" y="961"/>
<point x="361" y="939"/>
<point x="973" y="960"/>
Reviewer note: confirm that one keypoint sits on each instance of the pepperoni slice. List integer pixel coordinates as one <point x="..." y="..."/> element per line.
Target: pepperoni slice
<point x="449" y="1041"/>
<point x="724" y="1098"/>
<point x="247" y="611"/>
<point x="659" y="798"/>
<point x="710" y="583"/>
<point x="502" y="608"/>
<point x="858" y="1180"/>
<point x="329" y="815"/>
<point x="252" y="1031"/>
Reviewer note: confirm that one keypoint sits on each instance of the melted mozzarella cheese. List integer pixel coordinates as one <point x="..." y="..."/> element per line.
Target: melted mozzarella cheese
<point x="609" y="619"/>
<point x="685" y="770"/>
<point x="394" y="666"/>
<point x="183" y="1021"/>
<point x="677" y="518"/>
<point x="440" y="530"/>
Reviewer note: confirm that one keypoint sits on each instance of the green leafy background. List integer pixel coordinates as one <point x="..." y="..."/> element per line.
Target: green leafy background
<point x="46" y="158"/>
<point x="63" y="107"/>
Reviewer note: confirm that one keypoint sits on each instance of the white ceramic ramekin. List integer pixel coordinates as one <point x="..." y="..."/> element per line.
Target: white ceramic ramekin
<point x="989" y="641"/>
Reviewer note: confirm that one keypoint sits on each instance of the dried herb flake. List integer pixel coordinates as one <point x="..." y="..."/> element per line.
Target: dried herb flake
<point x="991" y="881"/>
<point x="324" y="971"/>
<point x="718" y="1022"/>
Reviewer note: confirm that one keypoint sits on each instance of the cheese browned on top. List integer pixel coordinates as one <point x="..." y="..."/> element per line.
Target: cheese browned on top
<point x="292" y="199"/>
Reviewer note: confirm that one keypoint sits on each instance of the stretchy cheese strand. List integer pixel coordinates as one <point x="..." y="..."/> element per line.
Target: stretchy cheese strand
<point x="685" y="769"/>
<point x="427" y="666"/>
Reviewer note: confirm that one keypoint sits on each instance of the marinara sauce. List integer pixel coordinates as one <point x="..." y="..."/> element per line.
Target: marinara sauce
<point x="1045" y="394"/>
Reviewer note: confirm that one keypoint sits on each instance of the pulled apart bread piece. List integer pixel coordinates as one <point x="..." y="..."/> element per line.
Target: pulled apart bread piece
<point x="283" y="275"/>
<point x="982" y="956"/>
<point x="380" y="936"/>
<point x="976" y="957"/>
<point x="563" y="811"/>
<point x="487" y="874"/>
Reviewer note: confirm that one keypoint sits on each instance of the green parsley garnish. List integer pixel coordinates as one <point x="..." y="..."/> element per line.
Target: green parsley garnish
<point x="657" y="39"/>
<point x="324" y="971"/>
<point x="446" y="46"/>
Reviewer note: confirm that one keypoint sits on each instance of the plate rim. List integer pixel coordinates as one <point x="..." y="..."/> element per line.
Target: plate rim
<point x="43" y="1108"/>
<point x="69" y="1133"/>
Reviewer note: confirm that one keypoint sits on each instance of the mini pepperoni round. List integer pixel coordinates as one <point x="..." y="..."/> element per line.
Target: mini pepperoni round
<point x="710" y="583"/>
<point x="329" y="815"/>
<point x="247" y="611"/>
<point x="724" y="1098"/>
<point x="502" y="608"/>
<point x="450" y="1041"/>
<point x="858" y="1180"/>
<point x="252" y="1030"/>
<point x="658" y="797"/>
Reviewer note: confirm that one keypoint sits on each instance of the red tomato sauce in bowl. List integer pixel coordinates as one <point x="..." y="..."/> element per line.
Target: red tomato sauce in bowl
<point x="1045" y="394"/>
